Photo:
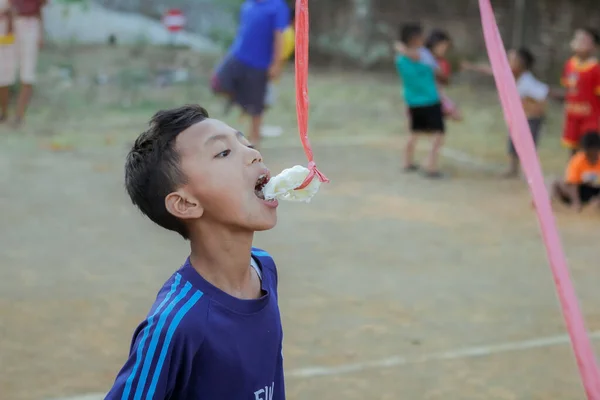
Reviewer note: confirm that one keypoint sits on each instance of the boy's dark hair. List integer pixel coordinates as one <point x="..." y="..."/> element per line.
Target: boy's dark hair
<point x="408" y="32"/>
<point x="527" y="58"/>
<point x="152" y="166"/>
<point x="435" y="37"/>
<point x="593" y="34"/>
<point x="590" y="141"/>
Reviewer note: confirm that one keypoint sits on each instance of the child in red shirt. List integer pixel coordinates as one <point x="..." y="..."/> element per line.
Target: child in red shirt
<point x="581" y="78"/>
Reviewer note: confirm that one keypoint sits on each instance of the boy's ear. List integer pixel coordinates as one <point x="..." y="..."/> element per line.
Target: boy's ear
<point x="182" y="205"/>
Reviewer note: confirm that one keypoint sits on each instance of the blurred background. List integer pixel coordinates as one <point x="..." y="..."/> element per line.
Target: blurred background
<point x="379" y="265"/>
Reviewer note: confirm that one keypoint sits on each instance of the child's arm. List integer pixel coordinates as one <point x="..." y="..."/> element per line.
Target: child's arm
<point x="413" y="54"/>
<point x="479" y="68"/>
<point x="282" y="20"/>
<point x="557" y="93"/>
<point x="158" y="358"/>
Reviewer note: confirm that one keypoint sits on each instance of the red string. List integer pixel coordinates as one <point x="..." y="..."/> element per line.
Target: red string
<point x="302" y="89"/>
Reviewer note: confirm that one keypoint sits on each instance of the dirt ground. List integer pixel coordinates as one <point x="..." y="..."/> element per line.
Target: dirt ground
<point x="391" y="286"/>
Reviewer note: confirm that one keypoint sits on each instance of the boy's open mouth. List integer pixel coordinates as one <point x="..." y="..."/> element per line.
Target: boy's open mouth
<point x="260" y="185"/>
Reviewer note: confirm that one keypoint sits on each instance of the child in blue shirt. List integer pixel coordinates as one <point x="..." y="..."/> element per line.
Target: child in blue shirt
<point x="254" y="59"/>
<point x="214" y="331"/>
<point x="422" y="95"/>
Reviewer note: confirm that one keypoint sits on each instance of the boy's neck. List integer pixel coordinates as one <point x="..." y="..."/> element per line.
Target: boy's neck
<point x="222" y="256"/>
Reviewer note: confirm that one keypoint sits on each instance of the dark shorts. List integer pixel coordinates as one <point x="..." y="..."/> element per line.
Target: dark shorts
<point x="246" y="85"/>
<point x="586" y="193"/>
<point x="429" y="119"/>
<point x="535" y="125"/>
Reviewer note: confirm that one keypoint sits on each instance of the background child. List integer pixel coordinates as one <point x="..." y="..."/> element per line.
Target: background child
<point x="438" y="43"/>
<point x="7" y="57"/>
<point x="423" y="98"/>
<point x="434" y="54"/>
<point x="581" y="78"/>
<point x="214" y="331"/>
<point x="581" y="184"/>
<point x="533" y="94"/>
<point x="253" y="59"/>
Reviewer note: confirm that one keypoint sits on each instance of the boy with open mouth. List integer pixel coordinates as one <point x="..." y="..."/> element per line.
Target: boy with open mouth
<point x="214" y="331"/>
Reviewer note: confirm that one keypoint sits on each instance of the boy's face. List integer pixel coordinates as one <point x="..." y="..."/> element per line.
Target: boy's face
<point x="417" y="41"/>
<point x="582" y="43"/>
<point x="222" y="172"/>
<point x="440" y="49"/>
<point x="592" y="155"/>
<point x="516" y="65"/>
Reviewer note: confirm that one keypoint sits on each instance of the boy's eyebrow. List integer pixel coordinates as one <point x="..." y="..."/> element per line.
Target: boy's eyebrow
<point x="223" y="136"/>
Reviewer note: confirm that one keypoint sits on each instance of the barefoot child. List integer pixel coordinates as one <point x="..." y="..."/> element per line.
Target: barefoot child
<point x="423" y="98"/>
<point x="533" y="94"/>
<point x="214" y="331"/>
<point x="581" y="78"/>
<point x="581" y="184"/>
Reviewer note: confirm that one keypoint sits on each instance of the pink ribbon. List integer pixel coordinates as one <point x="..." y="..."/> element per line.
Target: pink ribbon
<point x="523" y="141"/>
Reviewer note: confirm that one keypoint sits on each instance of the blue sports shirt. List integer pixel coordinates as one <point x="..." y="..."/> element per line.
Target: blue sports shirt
<point x="198" y="342"/>
<point x="259" y="20"/>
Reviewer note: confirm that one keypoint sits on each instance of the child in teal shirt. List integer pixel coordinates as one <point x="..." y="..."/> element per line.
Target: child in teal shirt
<point x="423" y="98"/>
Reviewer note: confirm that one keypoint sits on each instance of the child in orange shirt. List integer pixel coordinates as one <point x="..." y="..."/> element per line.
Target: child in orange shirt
<point x="581" y="184"/>
<point x="581" y="78"/>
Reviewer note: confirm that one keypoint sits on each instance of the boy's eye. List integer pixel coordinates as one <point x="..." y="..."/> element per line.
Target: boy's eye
<point x="223" y="154"/>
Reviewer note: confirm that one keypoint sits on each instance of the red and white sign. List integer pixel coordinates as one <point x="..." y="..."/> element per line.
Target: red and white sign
<point x="174" y="20"/>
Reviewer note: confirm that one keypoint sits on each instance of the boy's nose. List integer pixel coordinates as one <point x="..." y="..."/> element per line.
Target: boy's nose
<point x="255" y="156"/>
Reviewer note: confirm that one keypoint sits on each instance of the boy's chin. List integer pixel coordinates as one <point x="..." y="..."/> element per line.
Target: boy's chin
<point x="265" y="224"/>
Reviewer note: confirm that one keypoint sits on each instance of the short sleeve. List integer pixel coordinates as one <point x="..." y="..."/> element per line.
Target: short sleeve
<point x="428" y="59"/>
<point x="161" y="352"/>
<point x="573" y="174"/>
<point x="282" y="16"/>
<point x="534" y="89"/>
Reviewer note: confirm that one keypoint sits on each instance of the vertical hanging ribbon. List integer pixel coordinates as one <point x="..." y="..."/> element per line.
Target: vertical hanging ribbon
<point x="301" y="61"/>
<point x="523" y="141"/>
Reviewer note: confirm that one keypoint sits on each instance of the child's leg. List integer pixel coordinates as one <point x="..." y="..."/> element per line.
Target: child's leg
<point x="255" y="124"/>
<point x="414" y="125"/>
<point x="557" y="190"/>
<point x="4" y="94"/>
<point x="436" y="127"/>
<point x="513" y="161"/>
<point x="252" y="88"/>
<point x="409" y="153"/>
<point x="8" y="73"/>
<point x="434" y="155"/>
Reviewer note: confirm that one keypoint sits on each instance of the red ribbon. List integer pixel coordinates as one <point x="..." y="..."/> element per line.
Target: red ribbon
<point x="302" y="102"/>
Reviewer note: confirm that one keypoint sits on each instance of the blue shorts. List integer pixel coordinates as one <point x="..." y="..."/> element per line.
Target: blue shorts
<point x="246" y="85"/>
